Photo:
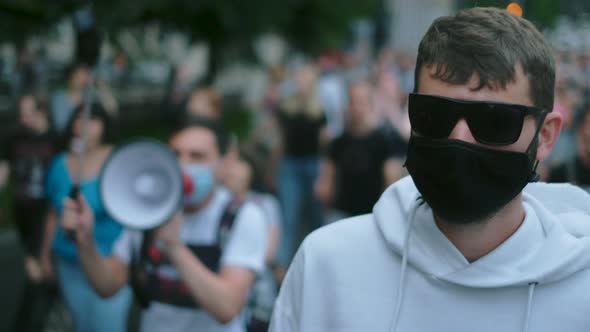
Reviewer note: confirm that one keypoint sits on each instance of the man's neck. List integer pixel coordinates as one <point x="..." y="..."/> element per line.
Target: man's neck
<point x="240" y="196"/>
<point x="478" y="239"/>
<point x="90" y="151"/>
<point x="362" y="128"/>
<point x="42" y="126"/>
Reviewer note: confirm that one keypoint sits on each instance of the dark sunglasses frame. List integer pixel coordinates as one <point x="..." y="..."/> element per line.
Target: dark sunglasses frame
<point x="436" y="116"/>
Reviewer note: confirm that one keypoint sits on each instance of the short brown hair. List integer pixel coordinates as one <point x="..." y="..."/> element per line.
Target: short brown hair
<point x="490" y="43"/>
<point x="215" y="126"/>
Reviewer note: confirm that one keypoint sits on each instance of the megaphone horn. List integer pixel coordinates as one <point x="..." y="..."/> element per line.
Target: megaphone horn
<point x="141" y="184"/>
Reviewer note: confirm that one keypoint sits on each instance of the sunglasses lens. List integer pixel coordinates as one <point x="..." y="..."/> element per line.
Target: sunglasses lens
<point x="495" y="124"/>
<point x="430" y="117"/>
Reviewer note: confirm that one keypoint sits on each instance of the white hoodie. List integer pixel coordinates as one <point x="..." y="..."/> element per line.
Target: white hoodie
<point x="362" y="273"/>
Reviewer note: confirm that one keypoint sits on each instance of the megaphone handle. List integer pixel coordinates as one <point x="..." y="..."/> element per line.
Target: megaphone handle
<point x="74" y="192"/>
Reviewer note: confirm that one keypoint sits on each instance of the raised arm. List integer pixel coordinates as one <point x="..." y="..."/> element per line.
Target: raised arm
<point x="324" y="185"/>
<point x="106" y="274"/>
<point x="4" y="173"/>
<point x="222" y="294"/>
<point x="46" y="265"/>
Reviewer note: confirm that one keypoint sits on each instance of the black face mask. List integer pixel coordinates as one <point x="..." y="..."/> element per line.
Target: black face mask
<point x="466" y="183"/>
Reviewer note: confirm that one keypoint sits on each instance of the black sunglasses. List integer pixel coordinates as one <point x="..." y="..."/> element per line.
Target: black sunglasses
<point x="491" y="123"/>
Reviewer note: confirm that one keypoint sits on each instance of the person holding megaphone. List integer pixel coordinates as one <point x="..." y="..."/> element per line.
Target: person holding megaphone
<point x="89" y="311"/>
<point x="194" y="271"/>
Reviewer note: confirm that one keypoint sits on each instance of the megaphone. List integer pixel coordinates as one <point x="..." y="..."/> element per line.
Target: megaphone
<point x="141" y="184"/>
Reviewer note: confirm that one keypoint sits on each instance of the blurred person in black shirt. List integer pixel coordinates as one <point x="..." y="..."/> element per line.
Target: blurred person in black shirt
<point x="577" y="170"/>
<point x="362" y="161"/>
<point x="28" y="151"/>
<point x="302" y="122"/>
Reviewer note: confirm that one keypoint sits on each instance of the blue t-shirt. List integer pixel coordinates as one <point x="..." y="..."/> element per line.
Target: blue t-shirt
<point x="58" y="185"/>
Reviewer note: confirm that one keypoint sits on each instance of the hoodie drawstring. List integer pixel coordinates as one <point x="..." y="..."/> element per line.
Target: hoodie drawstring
<point x="400" y="287"/>
<point x="529" y="306"/>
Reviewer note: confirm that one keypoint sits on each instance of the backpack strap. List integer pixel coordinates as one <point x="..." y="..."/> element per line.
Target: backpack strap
<point x="227" y="221"/>
<point x="142" y="278"/>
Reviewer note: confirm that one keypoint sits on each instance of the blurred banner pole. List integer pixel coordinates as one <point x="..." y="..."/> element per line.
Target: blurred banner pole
<point x="87" y="52"/>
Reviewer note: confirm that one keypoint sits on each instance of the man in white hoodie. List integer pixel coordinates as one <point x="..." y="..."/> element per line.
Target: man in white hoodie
<point x="460" y="244"/>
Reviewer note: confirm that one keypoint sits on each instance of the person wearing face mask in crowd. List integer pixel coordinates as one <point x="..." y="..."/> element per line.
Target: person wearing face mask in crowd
<point x="28" y="151"/>
<point x="88" y="310"/>
<point x="460" y="244"/>
<point x="361" y="162"/>
<point x="194" y="271"/>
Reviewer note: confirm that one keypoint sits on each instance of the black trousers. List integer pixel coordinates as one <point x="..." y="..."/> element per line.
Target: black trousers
<point x="29" y="219"/>
<point x="37" y="300"/>
<point x="38" y="297"/>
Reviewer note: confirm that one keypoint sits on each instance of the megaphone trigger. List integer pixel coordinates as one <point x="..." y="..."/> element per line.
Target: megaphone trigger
<point x="74" y="192"/>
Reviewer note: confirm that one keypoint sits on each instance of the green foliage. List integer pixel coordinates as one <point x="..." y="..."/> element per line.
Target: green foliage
<point x="542" y="12"/>
<point x="239" y="121"/>
<point x="19" y="19"/>
<point x="325" y="23"/>
<point x="309" y="24"/>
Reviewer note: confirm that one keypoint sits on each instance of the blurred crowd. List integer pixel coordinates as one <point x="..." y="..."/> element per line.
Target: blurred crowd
<point x="320" y="142"/>
<point x="570" y="159"/>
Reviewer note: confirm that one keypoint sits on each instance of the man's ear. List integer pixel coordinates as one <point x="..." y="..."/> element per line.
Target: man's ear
<point x="549" y="134"/>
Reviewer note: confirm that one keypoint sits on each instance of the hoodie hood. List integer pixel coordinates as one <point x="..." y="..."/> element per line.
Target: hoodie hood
<point x="552" y="243"/>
